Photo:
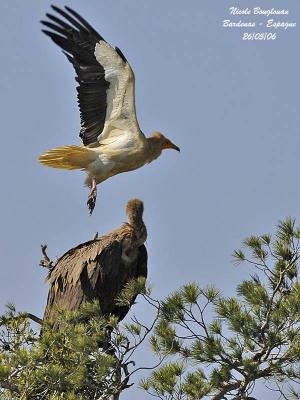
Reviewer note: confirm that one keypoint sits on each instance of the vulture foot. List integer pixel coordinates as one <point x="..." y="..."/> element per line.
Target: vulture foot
<point x="92" y="198"/>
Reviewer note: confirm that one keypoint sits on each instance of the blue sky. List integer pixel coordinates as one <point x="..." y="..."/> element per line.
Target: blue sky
<point x="231" y="105"/>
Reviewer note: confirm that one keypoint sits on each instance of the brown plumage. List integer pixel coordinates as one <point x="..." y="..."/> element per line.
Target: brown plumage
<point x="100" y="268"/>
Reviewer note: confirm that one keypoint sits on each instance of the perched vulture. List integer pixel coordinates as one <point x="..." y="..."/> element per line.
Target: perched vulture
<point x="112" y="141"/>
<point x="100" y="268"/>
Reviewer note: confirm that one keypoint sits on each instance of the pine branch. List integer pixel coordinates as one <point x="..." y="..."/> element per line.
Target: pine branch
<point x="34" y="318"/>
<point x="240" y="384"/>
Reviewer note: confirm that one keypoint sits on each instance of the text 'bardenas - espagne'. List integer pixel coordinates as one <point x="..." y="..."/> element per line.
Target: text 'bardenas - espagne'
<point x="258" y="11"/>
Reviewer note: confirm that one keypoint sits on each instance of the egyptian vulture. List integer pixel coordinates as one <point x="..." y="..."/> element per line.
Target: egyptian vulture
<point x="100" y="268"/>
<point x="112" y="141"/>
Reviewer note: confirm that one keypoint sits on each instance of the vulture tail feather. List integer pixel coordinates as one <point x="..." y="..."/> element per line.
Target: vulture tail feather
<point x="68" y="157"/>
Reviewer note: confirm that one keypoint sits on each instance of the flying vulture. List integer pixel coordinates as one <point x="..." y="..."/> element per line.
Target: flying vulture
<point x="100" y="268"/>
<point x="112" y="141"/>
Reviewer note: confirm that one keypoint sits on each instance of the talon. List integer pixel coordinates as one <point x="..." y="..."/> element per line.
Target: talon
<point x="92" y="200"/>
<point x="92" y="196"/>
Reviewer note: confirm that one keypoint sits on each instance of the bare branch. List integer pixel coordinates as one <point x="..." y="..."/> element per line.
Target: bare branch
<point x="45" y="261"/>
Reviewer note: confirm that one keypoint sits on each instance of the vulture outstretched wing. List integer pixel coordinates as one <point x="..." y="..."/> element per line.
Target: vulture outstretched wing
<point x="93" y="270"/>
<point x="106" y="93"/>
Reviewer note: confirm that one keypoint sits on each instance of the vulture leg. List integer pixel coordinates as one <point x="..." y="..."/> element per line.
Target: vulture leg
<point x="92" y="197"/>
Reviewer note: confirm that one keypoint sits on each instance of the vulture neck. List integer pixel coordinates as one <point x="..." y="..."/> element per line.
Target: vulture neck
<point x="154" y="148"/>
<point x="135" y="219"/>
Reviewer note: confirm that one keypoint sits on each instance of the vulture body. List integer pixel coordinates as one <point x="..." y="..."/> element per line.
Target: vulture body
<point x="100" y="268"/>
<point x="112" y="141"/>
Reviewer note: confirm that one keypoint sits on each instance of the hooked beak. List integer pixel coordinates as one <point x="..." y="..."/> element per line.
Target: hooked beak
<point x="173" y="146"/>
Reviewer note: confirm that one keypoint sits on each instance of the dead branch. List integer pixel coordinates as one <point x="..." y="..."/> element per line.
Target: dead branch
<point x="45" y="261"/>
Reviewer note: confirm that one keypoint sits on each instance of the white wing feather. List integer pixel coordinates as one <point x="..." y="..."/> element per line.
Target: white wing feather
<point x="120" y="114"/>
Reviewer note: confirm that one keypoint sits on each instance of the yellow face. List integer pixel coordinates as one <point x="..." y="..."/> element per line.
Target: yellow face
<point x="169" y="145"/>
<point x="165" y="143"/>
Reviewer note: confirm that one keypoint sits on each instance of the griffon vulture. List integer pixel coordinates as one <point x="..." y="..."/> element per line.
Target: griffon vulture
<point x="100" y="268"/>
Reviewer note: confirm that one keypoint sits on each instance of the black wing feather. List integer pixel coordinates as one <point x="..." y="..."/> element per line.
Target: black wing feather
<point x="69" y="18"/>
<point x="63" y="24"/>
<point x="78" y="40"/>
<point x="84" y="22"/>
<point x="120" y="54"/>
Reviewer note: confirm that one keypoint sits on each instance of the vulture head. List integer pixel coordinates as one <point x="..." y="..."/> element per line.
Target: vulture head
<point x="162" y="142"/>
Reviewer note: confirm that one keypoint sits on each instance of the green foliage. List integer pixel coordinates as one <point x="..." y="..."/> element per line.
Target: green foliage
<point x="208" y="345"/>
<point x="59" y="363"/>
<point x="191" y="293"/>
<point x="226" y="344"/>
<point x="131" y="290"/>
<point x="88" y="357"/>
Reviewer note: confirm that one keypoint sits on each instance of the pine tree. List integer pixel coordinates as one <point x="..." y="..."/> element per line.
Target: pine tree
<point x="208" y="345"/>
<point x="220" y="347"/>
<point x="88" y="357"/>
